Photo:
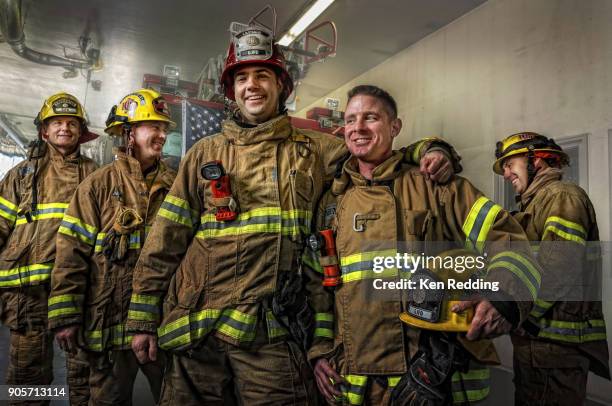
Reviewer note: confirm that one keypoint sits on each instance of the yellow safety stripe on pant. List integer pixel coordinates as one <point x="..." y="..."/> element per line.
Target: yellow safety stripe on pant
<point x="115" y="337"/>
<point x="275" y="329"/>
<point x="44" y="211"/>
<point x="261" y="220"/>
<point x="135" y="243"/>
<point x="473" y="385"/>
<point x="144" y="308"/>
<point x="178" y="210"/>
<point x="25" y="275"/>
<point x="479" y="222"/>
<point x="65" y="305"/>
<point x="8" y="210"/>
<point x="353" y="394"/>
<point x="573" y="331"/>
<point x="187" y="329"/>
<point x="360" y="266"/>
<point x="310" y="259"/>
<point x="568" y="230"/>
<point x="520" y="267"/>
<point x="324" y="325"/>
<point x="540" y="307"/>
<point x="76" y="228"/>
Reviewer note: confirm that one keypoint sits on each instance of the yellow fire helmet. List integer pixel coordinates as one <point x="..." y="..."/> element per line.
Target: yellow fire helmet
<point x="64" y="104"/>
<point x="525" y="143"/>
<point x="439" y="285"/>
<point x="141" y="105"/>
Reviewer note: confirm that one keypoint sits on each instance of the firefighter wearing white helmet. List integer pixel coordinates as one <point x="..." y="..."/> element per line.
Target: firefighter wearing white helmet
<point x="565" y="335"/>
<point x="33" y="197"/>
<point x="100" y="238"/>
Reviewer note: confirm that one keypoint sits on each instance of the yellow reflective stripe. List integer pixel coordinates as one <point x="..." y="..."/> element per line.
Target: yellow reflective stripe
<point x="310" y="259"/>
<point x="540" y="307"/>
<point x="360" y="266"/>
<point x="473" y="385"/>
<point x="354" y="393"/>
<point x="275" y="329"/>
<point x="144" y="307"/>
<point x="571" y="331"/>
<point x="178" y="210"/>
<point x="64" y="305"/>
<point x="25" y="275"/>
<point x="565" y="229"/>
<point x="116" y="336"/>
<point x="133" y="245"/>
<point x="8" y="209"/>
<point x="74" y="227"/>
<point x="45" y="211"/>
<point x="324" y="325"/>
<point x="260" y="220"/>
<point x="569" y="224"/>
<point x="8" y="204"/>
<point x="231" y="322"/>
<point x="519" y="266"/>
<point x="392" y="381"/>
<point x="479" y="221"/>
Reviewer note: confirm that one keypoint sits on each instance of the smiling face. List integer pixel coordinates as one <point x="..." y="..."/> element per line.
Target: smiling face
<point x="515" y="172"/>
<point x="369" y="129"/>
<point x="148" y="138"/>
<point x="62" y="132"/>
<point x="257" y="90"/>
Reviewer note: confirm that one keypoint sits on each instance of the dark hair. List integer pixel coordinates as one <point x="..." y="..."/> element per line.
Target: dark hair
<point x="375" y="91"/>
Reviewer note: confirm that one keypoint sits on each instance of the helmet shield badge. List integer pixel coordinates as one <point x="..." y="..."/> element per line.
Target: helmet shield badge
<point x="254" y="43"/>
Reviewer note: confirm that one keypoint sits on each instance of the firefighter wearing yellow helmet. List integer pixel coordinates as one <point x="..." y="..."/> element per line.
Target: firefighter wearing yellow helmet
<point x="100" y="238"/>
<point x="565" y="335"/>
<point x="33" y="197"/>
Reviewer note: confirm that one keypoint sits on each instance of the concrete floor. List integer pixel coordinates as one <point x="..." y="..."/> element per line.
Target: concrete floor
<point x="502" y="389"/>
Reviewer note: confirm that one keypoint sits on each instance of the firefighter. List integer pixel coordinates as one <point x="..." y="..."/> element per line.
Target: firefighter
<point x="225" y="250"/>
<point x="567" y="335"/>
<point x="379" y="206"/>
<point x="99" y="240"/>
<point x="33" y="197"/>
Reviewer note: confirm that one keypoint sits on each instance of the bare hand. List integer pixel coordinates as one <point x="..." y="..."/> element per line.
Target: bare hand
<point x="487" y="321"/>
<point x="324" y="374"/>
<point x="66" y="338"/>
<point x="436" y="166"/>
<point x="145" y="347"/>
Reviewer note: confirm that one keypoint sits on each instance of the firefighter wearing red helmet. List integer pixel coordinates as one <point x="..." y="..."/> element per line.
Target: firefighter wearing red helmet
<point x="238" y="307"/>
<point x="33" y="197"/>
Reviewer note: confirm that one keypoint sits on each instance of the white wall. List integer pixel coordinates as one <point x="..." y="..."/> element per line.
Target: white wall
<point x="509" y="66"/>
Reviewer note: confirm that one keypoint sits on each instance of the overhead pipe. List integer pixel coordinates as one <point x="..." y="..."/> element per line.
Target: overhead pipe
<point x="11" y="25"/>
<point x="12" y="133"/>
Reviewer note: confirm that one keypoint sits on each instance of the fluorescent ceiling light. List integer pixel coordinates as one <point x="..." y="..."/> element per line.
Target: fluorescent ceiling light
<point x="309" y="16"/>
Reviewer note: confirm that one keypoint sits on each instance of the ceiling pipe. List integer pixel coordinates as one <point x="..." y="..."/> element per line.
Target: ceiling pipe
<point x="11" y="25"/>
<point x="12" y="133"/>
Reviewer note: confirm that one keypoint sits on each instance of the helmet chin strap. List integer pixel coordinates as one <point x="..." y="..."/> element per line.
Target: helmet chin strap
<point x="531" y="169"/>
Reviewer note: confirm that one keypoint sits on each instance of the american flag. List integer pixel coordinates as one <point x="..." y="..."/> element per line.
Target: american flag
<point x="201" y="122"/>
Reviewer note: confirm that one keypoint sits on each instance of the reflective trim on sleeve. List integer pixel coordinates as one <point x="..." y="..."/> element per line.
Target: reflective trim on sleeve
<point x="479" y="222"/>
<point x="65" y="305"/>
<point x="540" y="307"/>
<point x="520" y="267"/>
<point x="324" y="325"/>
<point x="144" y="308"/>
<point x="8" y="209"/>
<point x="565" y="229"/>
<point x="77" y="228"/>
<point x="178" y="210"/>
<point x="25" y="275"/>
